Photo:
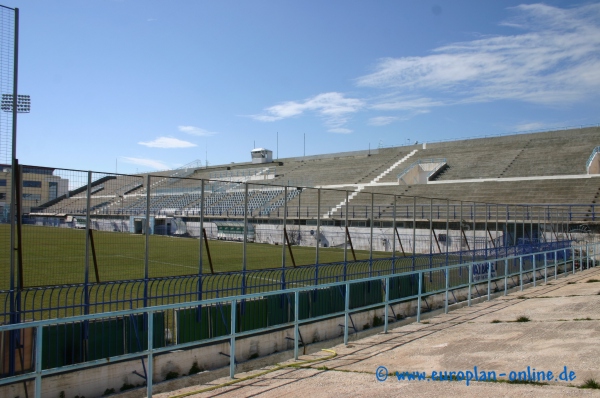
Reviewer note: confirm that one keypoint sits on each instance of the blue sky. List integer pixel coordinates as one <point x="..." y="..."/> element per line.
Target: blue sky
<point x="158" y="84"/>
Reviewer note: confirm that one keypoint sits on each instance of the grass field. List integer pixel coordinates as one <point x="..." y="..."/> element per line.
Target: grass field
<point x="53" y="256"/>
<point x="56" y="256"/>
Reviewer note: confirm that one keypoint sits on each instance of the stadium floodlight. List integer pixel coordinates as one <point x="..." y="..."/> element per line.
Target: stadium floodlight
<point x="23" y="103"/>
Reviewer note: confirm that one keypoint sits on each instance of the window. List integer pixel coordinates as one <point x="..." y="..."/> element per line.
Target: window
<point x="32" y="196"/>
<point x="32" y="184"/>
<point x="52" y="190"/>
<point x="3" y="183"/>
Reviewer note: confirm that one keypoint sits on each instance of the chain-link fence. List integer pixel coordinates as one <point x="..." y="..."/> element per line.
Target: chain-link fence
<point x="82" y="228"/>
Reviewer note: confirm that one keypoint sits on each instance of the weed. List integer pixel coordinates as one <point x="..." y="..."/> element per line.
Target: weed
<point x="377" y="321"/>
<point x="108" y="391"/>
<point x="496" y="321"/>
<point x="592" y="280"/>
<point x="366" y="326"/>
<point x="570" y="283"/>
<point x="61" y="394"/>
<point x="194" y="369"/>
<point x="322" y="368"/>
<point x="537" y="383"/>
<point x="171" y="375"/>
<point x="126" y="386"/>
<point x="253" y="356"/>
<point x="400" y="316"/>
<point x="583" y="319"/>
<point x="591" y="383"/>
<point x="523" y="319"/>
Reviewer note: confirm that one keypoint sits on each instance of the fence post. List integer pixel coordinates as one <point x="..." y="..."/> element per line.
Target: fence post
<point x="414" y="248"/>
<point x="545" y="268"/>
<point x="505" y="276"/>
<point x="470" y="283"/>
<point x="573" y="254"/>
<point x="447" y="274"/>
<point x="489" y="280"/>
<point x="394" y="238"/>
<point x="38" y="360"/>
<point x="147" y="240"/>
<point x="419" y="296"/>
<point x="346" y="313"/>
<point x="387" y="304"/>
<point x="87" y="244"/>
<point x="296" y="325"/>
<point x="371" y="236"/>
<point x="283" y="235"/>
<point x="318" y="226"/>
<point x="232" y="339"/>
<point x="521" y="272"/>
<point x="346" y="237"/>
<point x="150" y="368"/>
<point x="556" y="265"/>
<point x="534" y="276"/>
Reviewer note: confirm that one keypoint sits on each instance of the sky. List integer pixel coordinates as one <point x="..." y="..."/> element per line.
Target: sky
<point x="134" y="86"/>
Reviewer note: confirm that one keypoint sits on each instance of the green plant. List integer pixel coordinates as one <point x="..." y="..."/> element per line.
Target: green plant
<point x="171" y="375"/>
<point x="496" y="321"/>
<point x="400" y="316"/>
<point x="108" y="391"/>
<point x="194" y="369"/>
<point x="593" y="280"/>
<point x="253" y="356"/>
<point x="126" y="386"/>
<point x="366" y="326"/>
<point x="523" y="319"/>
<point x="591" y="383"/>
<point x="61" y="394"/>
<point x="377" y="321"/>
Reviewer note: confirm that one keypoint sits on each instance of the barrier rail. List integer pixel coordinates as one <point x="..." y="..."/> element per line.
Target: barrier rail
<point x="388" y="292"/>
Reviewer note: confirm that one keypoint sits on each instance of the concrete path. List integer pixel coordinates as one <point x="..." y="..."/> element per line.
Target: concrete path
<point x="563" y="331"/>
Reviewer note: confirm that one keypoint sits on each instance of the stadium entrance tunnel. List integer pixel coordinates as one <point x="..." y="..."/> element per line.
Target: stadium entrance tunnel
<point x="137" y="225"/>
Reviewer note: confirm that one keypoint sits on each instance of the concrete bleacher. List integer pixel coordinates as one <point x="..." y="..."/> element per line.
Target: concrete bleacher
<point x="517" y="169"/>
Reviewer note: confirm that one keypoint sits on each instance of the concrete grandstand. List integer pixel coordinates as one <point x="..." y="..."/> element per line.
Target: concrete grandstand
<point x="539" y="168"/>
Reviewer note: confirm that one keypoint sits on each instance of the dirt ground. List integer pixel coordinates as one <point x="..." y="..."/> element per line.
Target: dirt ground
<point x="562" y="332"/>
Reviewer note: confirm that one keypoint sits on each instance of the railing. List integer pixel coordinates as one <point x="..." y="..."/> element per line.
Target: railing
<point x="591" y="158"/>
<point x="235" y="311"/>
<point x="43" y="302"/>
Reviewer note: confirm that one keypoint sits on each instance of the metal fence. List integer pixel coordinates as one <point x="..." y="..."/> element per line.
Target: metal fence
<point x="89" y="242"/>
<point x="75" y="343"/>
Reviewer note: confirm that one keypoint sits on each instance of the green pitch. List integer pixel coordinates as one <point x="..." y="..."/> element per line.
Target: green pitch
<point x="54" y="256"/>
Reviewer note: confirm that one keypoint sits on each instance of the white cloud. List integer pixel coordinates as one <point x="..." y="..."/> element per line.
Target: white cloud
<point x="333" y="107"/>
<point x="193" y="130"/>
<point x="382" y="120"/>
<point x="154" y="164"/>
<point x="167" y="142"/>
<point x="340" y="130"/>
<point x="555" y="59"/>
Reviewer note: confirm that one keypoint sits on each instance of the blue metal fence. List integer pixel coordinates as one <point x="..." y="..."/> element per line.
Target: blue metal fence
<point x="121" y="334"/>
